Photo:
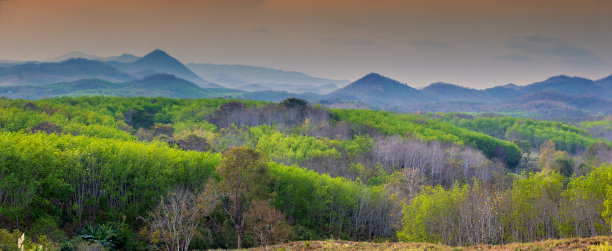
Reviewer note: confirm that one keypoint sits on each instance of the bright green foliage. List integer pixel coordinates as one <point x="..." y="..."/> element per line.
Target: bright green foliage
<point x="587" y="211"/>
<point x="428" y="129"/>
<point x="535" y="205"/>
<point x="607" y="124"/>
<point x="429" y="216"/>
<point x="293" y="148"/>
<point x="80" y="178"/>
<point x="325" y="204"/>
<point x="566" y="137"/>
<point x="359" y="145"/>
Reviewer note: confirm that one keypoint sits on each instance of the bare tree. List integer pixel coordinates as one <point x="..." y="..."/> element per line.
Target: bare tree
<point x="175" y="221"/>
<point x="266" y="224"/>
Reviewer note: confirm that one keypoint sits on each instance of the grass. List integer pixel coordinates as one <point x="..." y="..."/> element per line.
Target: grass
<point x="592" y="243"/>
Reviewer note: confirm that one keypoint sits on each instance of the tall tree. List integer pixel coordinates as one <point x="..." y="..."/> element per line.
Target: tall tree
<point x="245" y="177"/>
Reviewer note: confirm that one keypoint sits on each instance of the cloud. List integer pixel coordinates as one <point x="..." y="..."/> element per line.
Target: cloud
<point x="554" y="46"/>
<point x="355" y="42"/>
<point x="430" y="43"/>
<point x="513" y="58"/>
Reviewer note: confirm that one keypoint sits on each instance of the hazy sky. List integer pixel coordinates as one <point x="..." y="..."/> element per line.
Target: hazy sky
<point x="476" y="43"/>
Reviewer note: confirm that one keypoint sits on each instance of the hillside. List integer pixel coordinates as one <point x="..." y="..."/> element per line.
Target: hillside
<point x="444" y="92"/>
<point x="271" y="79"/>
<point x="159" y="61"/>
<point x="378" y="91"/>
<point x="65" y="71"/>
<point x="354" y="175"/>
<point x="158" y="85"/>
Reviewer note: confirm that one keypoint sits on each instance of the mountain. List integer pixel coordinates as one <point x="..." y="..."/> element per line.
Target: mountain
<point x="505" y="92"/>
<point x="166" y="85"/>
<point x="162" y="85"/>
<point x="567" y="85"/>
<point x="444" y="92"/>
<point x="73" y="54"/>
<point x="124" y="58"/>
<point x="243" y="75"/>
<point x="65" y="71"/>
<point x="159" y="61"/>
<point x="378" y="91"/>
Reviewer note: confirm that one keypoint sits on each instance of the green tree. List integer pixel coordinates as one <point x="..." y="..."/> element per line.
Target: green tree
<point x="245" y="177"/>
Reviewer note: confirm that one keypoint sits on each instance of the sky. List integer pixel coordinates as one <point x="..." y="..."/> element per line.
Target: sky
<point x="474" y="43"/>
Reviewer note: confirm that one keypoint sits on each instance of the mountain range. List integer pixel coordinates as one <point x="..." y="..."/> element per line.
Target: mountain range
<point x="159" y="74"/>
<point x="253" y="78"/>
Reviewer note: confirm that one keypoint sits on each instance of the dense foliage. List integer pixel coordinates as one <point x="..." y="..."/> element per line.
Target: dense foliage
<point x="535" y="207"/>
<point x="530" y="133"/>
<point x="108" y="172"/>
<point x="427" y="129"/>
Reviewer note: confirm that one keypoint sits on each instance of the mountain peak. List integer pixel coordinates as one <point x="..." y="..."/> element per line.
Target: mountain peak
<point x="372" y="76"/>
<point x="443" y="85"/>
<point x="561" y="78"/>
<point x="157" y="54"/>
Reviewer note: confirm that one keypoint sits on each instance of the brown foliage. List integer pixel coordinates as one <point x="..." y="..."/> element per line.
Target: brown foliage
<point x="266" y="224"/>
<point x="48" y="127"/>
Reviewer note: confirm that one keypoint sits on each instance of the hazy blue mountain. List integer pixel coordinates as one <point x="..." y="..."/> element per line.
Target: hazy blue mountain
<point x="606" y="84"/>
<point x="159" y="61"/>
<point x="124" y="58"/>
<point x="273" y="79"/>
<point x="378" y="91"/>
<point x="5" y="63"/>
<point x="163" y="85"/>
<point x="505" y="92"/>
<point x="73" y="54"/>
<point x="65" y="71"/>
<point x="566" y="85"/>
<point x="444" y="92"/>
<point x="253" y="87"/>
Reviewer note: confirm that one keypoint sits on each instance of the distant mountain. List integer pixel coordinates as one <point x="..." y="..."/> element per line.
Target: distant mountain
<point x="579" y="102"/>
<point x="253" y="87"/>
<point x="378" y="91"/>
<point x="5" y="63"/>
<point x="567" y="85"/>
<point x="242" y="75"/>
<point x="505" y="92"/>
<point x="124" y="58"/>
<point x="444" y="92"/>
<point x="162" y="85"/>
<point x="73" y="54"/>
<point x="166" y="85"/>
<point x="159" y="61"/>
<point x="65" y="71"/>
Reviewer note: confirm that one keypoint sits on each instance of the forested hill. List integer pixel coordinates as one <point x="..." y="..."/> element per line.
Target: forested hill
<point x="109" y="172"/>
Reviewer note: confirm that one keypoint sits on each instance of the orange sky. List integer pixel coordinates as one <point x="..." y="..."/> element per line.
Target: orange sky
<point x="476" y="43"/>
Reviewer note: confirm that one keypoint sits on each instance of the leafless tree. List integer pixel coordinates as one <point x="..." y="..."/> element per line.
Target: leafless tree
<point x="176" y="219"/>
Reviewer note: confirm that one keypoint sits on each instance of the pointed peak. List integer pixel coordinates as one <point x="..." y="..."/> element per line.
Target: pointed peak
<point x="157" y="53"/>
<point x="373" y="75"/>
